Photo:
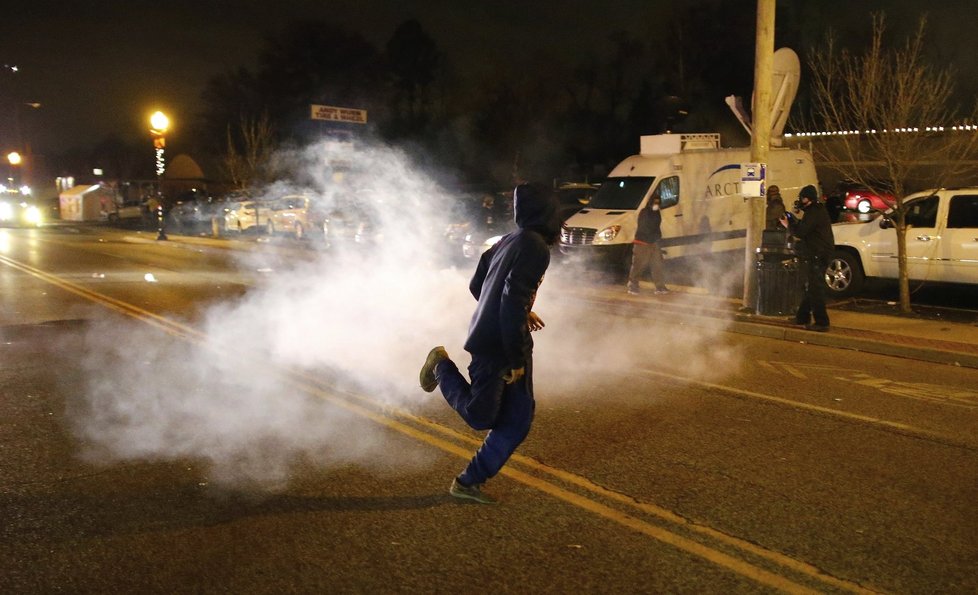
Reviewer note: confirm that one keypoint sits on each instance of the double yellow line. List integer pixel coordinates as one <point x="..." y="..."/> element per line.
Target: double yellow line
<point x="748" y="560"/>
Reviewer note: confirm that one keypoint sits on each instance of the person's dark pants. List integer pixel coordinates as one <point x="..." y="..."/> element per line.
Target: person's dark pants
<point x="488" y="403"/>
<point x="813" y="302"/>
<point x="646" y="257"/>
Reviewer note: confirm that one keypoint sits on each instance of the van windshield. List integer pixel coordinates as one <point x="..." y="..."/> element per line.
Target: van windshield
<point x="621" y="193"/>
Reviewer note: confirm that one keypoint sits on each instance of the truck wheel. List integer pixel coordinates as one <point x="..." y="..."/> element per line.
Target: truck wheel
<point x="844" y="274"/>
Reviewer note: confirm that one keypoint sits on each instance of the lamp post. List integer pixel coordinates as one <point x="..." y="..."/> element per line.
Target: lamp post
<point x="14" y="159"/>
<point x="159" y="124"/>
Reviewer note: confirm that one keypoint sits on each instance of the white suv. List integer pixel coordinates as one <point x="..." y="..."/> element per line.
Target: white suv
<point x="942" y="243"/>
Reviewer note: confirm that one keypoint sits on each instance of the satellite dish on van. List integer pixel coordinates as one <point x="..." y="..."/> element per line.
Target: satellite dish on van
<point x="786" y="74"/>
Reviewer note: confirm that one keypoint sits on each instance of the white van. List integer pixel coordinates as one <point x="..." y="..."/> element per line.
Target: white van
<point x="703" y="207"/>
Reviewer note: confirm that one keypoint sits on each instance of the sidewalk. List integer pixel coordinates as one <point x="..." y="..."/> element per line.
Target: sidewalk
<point x="952" y="343"/>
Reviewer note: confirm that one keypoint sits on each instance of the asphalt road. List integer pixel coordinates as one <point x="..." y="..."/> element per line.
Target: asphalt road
<point x="180" y="419"/>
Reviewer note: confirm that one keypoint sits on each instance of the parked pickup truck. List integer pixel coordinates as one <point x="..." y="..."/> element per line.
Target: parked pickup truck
<point x="942" y="243"/>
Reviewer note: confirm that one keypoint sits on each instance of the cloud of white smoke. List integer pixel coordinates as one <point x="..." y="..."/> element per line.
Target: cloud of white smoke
<point x="359" y="316"/>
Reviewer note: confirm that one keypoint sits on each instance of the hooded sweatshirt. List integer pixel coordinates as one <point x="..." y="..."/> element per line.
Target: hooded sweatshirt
<point x="815" y="228"/>
<point x="506" y="280"/>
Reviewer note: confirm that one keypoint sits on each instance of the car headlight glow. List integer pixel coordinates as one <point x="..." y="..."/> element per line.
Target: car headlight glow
<point x="6" y="211"/>
<point x="33" y="215"/>
<point x="607" y="234"/>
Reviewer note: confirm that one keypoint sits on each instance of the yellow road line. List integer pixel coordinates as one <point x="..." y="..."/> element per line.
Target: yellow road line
<point x="652" y="509"/>
<point x="119" y="306"/>
<point x="719" y="558"/>
<point x="690" y="546"/>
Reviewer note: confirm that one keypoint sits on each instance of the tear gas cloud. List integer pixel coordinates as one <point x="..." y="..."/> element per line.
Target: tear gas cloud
<point x="355" y="316"/>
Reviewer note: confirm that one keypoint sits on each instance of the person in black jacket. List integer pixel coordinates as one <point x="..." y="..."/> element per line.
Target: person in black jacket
<point x="645" y="248"/>
<point x="815" y="244"/>
<point x="500" y="395"/>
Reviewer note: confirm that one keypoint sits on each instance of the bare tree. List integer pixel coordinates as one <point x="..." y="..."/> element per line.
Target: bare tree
<point x="878" y="100"/>
<point x="248" y="152"/>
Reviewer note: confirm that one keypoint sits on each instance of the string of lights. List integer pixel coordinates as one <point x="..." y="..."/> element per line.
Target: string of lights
<point x="955" y="128"/>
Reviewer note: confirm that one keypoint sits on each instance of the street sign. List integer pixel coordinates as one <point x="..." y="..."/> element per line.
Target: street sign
<point x="339" y="114"/>
<point x="752" y="179"/>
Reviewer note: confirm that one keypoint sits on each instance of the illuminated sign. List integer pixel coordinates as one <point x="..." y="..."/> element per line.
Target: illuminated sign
<point x="339" y="114"/>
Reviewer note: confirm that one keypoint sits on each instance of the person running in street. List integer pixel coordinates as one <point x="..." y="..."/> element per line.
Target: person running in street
<point x="499" y="397"/>
<point x="815" y="246"/>
<point x="646" y="252"/>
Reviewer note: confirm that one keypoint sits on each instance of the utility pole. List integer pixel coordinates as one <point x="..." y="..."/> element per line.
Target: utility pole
<point x="760" y="139"/>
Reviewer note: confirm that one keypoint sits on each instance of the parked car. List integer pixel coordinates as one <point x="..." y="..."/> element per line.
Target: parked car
<point x="343" y="224"/>
<point x="19" y="209"/>
<point x="493" y="221"/>
<point x="193" y="212"/>
<point x="941" y="243"/>
<point x="295" y="214"/>
<point x="245" y="215"/>
<point x="857" y="198"/>
<point x="466" y="212"/>
<point x="574" y="196"/>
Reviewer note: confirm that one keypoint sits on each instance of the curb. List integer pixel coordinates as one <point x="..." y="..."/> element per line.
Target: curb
<point x="843" y="341"/>
<point x="745" y="324"/>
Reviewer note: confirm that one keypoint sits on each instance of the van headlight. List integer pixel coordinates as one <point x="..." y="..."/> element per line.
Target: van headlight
<point x="607" y="234"/>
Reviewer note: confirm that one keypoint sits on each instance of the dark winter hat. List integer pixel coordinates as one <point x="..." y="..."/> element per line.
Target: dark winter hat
<point x="809" y="192"/>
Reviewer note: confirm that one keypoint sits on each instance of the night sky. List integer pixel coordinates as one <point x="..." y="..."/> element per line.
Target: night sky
<point x="101" y="67"/>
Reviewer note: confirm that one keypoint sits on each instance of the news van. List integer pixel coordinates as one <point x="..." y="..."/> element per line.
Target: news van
<point x="704" y="208"/>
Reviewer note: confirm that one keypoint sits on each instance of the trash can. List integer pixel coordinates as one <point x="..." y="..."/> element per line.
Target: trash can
<point x="780" y="284"/>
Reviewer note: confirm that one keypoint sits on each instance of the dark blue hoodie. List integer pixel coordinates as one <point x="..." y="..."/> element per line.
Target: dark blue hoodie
<point x="507" y="277"/>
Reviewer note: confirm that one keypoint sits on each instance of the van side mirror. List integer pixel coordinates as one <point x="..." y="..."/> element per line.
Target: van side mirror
<point x="886" y="223"/>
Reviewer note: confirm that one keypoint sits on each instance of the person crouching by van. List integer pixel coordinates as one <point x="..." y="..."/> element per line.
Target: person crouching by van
<point x="645" y="249"/>
<point x="814" y="246"/>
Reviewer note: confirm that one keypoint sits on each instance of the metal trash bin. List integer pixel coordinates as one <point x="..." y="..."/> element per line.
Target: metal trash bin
<point x="780" y="284"/>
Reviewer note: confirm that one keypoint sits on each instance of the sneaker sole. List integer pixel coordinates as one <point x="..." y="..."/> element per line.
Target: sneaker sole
<point x="434" y="356"/>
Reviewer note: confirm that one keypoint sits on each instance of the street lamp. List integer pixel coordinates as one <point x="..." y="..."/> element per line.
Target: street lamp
<point x="159" y="124"/>
<point x="14" y="159"/>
